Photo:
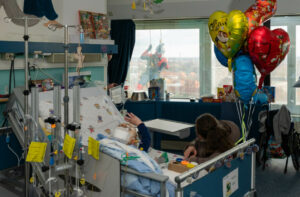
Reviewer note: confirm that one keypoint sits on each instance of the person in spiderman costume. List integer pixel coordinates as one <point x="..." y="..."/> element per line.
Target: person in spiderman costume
<point x="155" y="64"/>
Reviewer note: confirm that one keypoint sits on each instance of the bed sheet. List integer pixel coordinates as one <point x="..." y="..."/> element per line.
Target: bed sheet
<point x="153" y="153"/>
<point x="97" y="112"/>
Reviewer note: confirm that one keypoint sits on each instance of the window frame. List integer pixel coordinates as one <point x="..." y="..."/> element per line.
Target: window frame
<point x="291" y="22"/>
<point x="204" y="53"/>
<point x="205" y="67"/>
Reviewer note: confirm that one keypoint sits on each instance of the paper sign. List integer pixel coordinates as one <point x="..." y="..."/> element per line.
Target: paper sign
<point x="36" y="152"/>
<point x="69" y="144"/>
<point x="93" y="148"/>
<point x="231" y="183"/>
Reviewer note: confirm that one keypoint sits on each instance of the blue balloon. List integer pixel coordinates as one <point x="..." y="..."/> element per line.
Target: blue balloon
<point x="220" y="57"/>
<point x="244" y="78"/>
<point x="260" y="98"/>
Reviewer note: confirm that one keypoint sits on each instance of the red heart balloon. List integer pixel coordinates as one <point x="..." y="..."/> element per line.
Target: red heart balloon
<point x="260" y="12"/>
<point x="267" y="49"/>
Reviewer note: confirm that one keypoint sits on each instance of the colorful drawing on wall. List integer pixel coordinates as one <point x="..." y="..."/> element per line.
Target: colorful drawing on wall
<point x="86" y="21"/>
<point x="101" y="24"/>
<point x="95" y="25"/>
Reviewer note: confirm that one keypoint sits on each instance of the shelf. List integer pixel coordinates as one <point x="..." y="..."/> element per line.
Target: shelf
<point x="52" y="47"/>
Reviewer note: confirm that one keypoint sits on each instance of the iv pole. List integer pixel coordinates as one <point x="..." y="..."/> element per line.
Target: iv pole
<point x="26" y="111"/>
<point x="26" y="93"/>
<point x="53" y="27"/>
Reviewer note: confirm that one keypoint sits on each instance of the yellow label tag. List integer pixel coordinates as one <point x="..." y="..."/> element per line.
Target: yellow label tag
<point x="82" y="181"/>
<point x="57" y="194"/>
<point x="36" y="152"/>
<point x="69" y="144"/>
<point x="31" y="180"/>
<point x="93" y="148"/>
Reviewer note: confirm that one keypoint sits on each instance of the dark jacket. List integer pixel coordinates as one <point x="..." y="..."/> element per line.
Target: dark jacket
<point x="144" y="136"/>
<point x="200" y="145"/>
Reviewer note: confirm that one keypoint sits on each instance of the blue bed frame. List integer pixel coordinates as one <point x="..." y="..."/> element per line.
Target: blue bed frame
<point x="211" y="185"/>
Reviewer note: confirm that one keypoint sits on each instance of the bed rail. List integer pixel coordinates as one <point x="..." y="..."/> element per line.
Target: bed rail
<point x="179" y="179"/>
<point x="162" y="179"/>
<point x="205" y="165"/>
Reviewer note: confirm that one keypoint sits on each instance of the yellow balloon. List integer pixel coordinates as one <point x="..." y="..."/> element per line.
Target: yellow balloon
<point x="228" y="32"/>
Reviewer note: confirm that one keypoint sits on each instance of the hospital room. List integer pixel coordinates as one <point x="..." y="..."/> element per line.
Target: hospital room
<point x="149" y="98"/>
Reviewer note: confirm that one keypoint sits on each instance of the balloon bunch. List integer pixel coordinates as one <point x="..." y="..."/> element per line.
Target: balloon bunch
<point x="241" y="41"/>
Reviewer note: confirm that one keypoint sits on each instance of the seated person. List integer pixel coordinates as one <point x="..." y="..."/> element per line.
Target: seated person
<point x="213" y="138"/>
<point x="143" y="131"/>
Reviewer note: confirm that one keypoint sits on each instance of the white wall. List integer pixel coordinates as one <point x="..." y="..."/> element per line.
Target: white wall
<point x="174" y="9"/>
<point x="68" y="14"/>
<point x="71" y="7"/>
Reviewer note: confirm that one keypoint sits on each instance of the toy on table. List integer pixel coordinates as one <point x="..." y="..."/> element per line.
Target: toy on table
<point x="229" y="93"/>
<point x="180" y="167"/>
<point x="163" y="158"/>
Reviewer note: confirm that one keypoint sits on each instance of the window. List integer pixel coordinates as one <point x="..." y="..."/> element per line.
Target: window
<point x="194" y="70"/>
<point x="279" y="77"/>
<point x="220" y="74"/>
<point x="179" y="69"/>
<point x="285" y="76"/>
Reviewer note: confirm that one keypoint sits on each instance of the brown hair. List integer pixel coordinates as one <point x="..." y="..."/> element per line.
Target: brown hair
<point x="215" y="134"/>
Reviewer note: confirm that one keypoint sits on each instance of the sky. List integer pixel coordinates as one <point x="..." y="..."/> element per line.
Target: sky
<point x="178" y="42"/>
<point x="181" y="42"/>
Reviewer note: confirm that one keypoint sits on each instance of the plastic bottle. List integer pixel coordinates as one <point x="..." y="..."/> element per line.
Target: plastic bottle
<point x="81" y="36"/>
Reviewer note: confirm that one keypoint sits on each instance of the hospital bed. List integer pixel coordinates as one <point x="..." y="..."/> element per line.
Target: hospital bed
<point x="197" y="182"/>
<point x="237" y="180"/>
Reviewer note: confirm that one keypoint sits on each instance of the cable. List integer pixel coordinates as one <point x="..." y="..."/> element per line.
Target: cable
<point x="11" y="150"/>
<point x="19" y="159"/>
<point x="12" y="73"/>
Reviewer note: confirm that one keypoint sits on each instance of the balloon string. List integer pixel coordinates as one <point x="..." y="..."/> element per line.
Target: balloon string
<point x="250" y="115"/>
<point x="250" y="122"/>
<point x="229" y="64"/>
<point x="243" y="138"/>
<point x="239" y="115"/>
<point x="242" y="122"/>
<point x="249" y="112"/>
<point x="244" y="128"/>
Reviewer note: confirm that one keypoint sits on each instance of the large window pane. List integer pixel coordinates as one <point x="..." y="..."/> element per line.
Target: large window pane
<point x="181" y="50"/>
<point x="220" y="74"/>
<point x="279" y="77"/>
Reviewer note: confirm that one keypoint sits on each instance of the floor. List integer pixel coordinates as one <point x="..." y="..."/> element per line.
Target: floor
<point x="271" y="182"/>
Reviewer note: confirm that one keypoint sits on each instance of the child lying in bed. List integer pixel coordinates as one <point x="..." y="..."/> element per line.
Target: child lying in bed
<point x="213" y="138"/>
<point x="126" y="132"/>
